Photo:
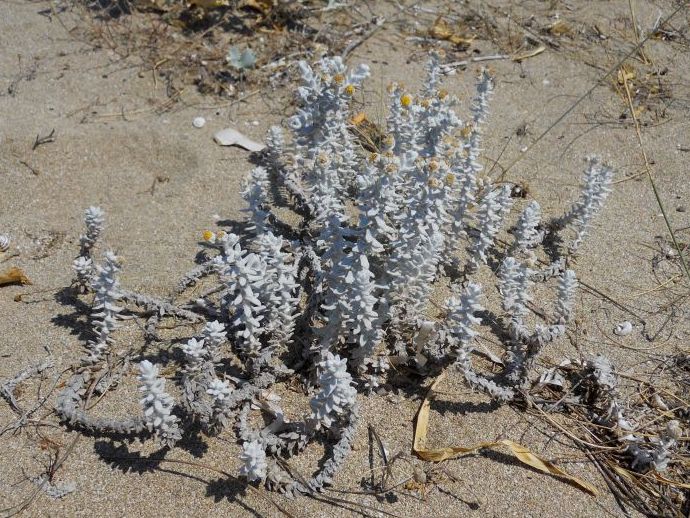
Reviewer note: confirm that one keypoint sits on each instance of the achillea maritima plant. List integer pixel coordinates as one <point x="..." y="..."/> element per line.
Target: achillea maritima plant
<point x="344" y="294"/>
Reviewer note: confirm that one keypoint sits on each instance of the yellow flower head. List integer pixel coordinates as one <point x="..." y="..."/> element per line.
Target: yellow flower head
<point x="467" y="130"/>
<point x="390" y="168"/>
<point x="406" y="100"/>
<point x="433" y="183"/>
<point x="220" y="234"/>
<point x="433" y="165"/>
<point x="425" y="103"/>
<point x="339" y="79"/>
<point x="442" y="94"/>
<point x="373" y="157"/>
<point x="350" y="89"/>
<point x="322" y="159"/>
<point x="208" y="235"/>
<point x="450" y="179"/>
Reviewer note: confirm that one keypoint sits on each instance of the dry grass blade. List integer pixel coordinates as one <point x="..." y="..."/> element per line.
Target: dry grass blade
<point x="648" y="170"/>
<point x="520" y="452"/>
<point x="529" y="54"/>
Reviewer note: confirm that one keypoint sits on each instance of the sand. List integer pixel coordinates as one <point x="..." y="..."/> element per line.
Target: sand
<point x="111" y="145"/>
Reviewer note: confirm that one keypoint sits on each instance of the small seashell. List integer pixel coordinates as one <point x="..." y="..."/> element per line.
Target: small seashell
<point x="199" y="122"/>
<point x="232" y="137"/>
<point x="623" y="329"/>
<point x="4" y="243"/>
<point x="659" y="403"/>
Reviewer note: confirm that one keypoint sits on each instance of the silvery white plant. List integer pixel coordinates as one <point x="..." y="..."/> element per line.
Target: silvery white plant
<point x="491" y="214"/>
<point x="657" y="455"/>
<point x="281" y="289"/>
<point x="83" y="265"/>
<point x="94" y="218"/>
<point x="460" y="332"/>
<point x="597" y="181"/>
<point x="528" y="234"/>
<point x="253" y="457"/>
<point x="256" y="195"/>
<point x="514" y="286"/>
<point x="214" y="334"/>
<point x="336" y="394"/>
<point x="566" y="296"/>
<point x="244" y="277"/>
<point x="157" y="405"/>
<point x="378" y="199"/>
<point x="195" y="353"/>
<point x="465" y="162"/>
<point x="347" y="292"/>
<point x="105" y="309"/>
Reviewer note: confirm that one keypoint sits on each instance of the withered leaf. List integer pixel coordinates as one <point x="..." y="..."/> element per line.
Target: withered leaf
<point x="13" y="276"/>
<point x="521" y="453"/>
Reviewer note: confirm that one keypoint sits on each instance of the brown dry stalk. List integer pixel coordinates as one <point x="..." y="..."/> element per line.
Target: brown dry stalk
<point x="648" y="170"/>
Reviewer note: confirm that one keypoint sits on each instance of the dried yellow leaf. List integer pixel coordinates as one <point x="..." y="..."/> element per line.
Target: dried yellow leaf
<point x="209" y="4"/>
<point x="262" y="6"/>
<point x="559" y="28"/>
<point x="529" y="54"/>
<point x="520" y="452"/>
<point x="13" y="276"/>
<point x="442" y="30"/>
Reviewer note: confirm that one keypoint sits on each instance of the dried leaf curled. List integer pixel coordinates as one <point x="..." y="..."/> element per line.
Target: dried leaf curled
<point x="520" y="452"/>
<point x="13" y="276"/>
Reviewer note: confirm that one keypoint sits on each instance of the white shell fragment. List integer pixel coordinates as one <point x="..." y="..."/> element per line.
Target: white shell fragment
<point x="659" y="403"/>
<point x="623" y="329"/>
<point x="232" y="137"/>
<point x="199" y="122"/>
<point x="4" y="243"/>
<point x="551" y="377"/>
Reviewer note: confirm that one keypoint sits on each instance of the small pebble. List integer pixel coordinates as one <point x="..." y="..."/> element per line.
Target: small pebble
<point x="419" y="475"/>
<point x="674" y="430"/>
<point x="623" y="329"/>
<point x="681" y="208"/>
<point x="199" y="122"/>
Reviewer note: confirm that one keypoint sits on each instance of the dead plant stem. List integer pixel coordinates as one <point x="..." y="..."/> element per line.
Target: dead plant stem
<point x="651" y="177"/>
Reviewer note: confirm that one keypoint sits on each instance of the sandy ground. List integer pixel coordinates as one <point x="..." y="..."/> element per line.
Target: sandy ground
<point x="112" y="145"/>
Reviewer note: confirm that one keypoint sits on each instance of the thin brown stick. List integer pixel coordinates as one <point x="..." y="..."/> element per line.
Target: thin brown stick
<point x="648" y="169"/>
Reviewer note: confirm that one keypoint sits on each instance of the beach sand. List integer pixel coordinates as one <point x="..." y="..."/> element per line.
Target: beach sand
<point x="112" y="145"/>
